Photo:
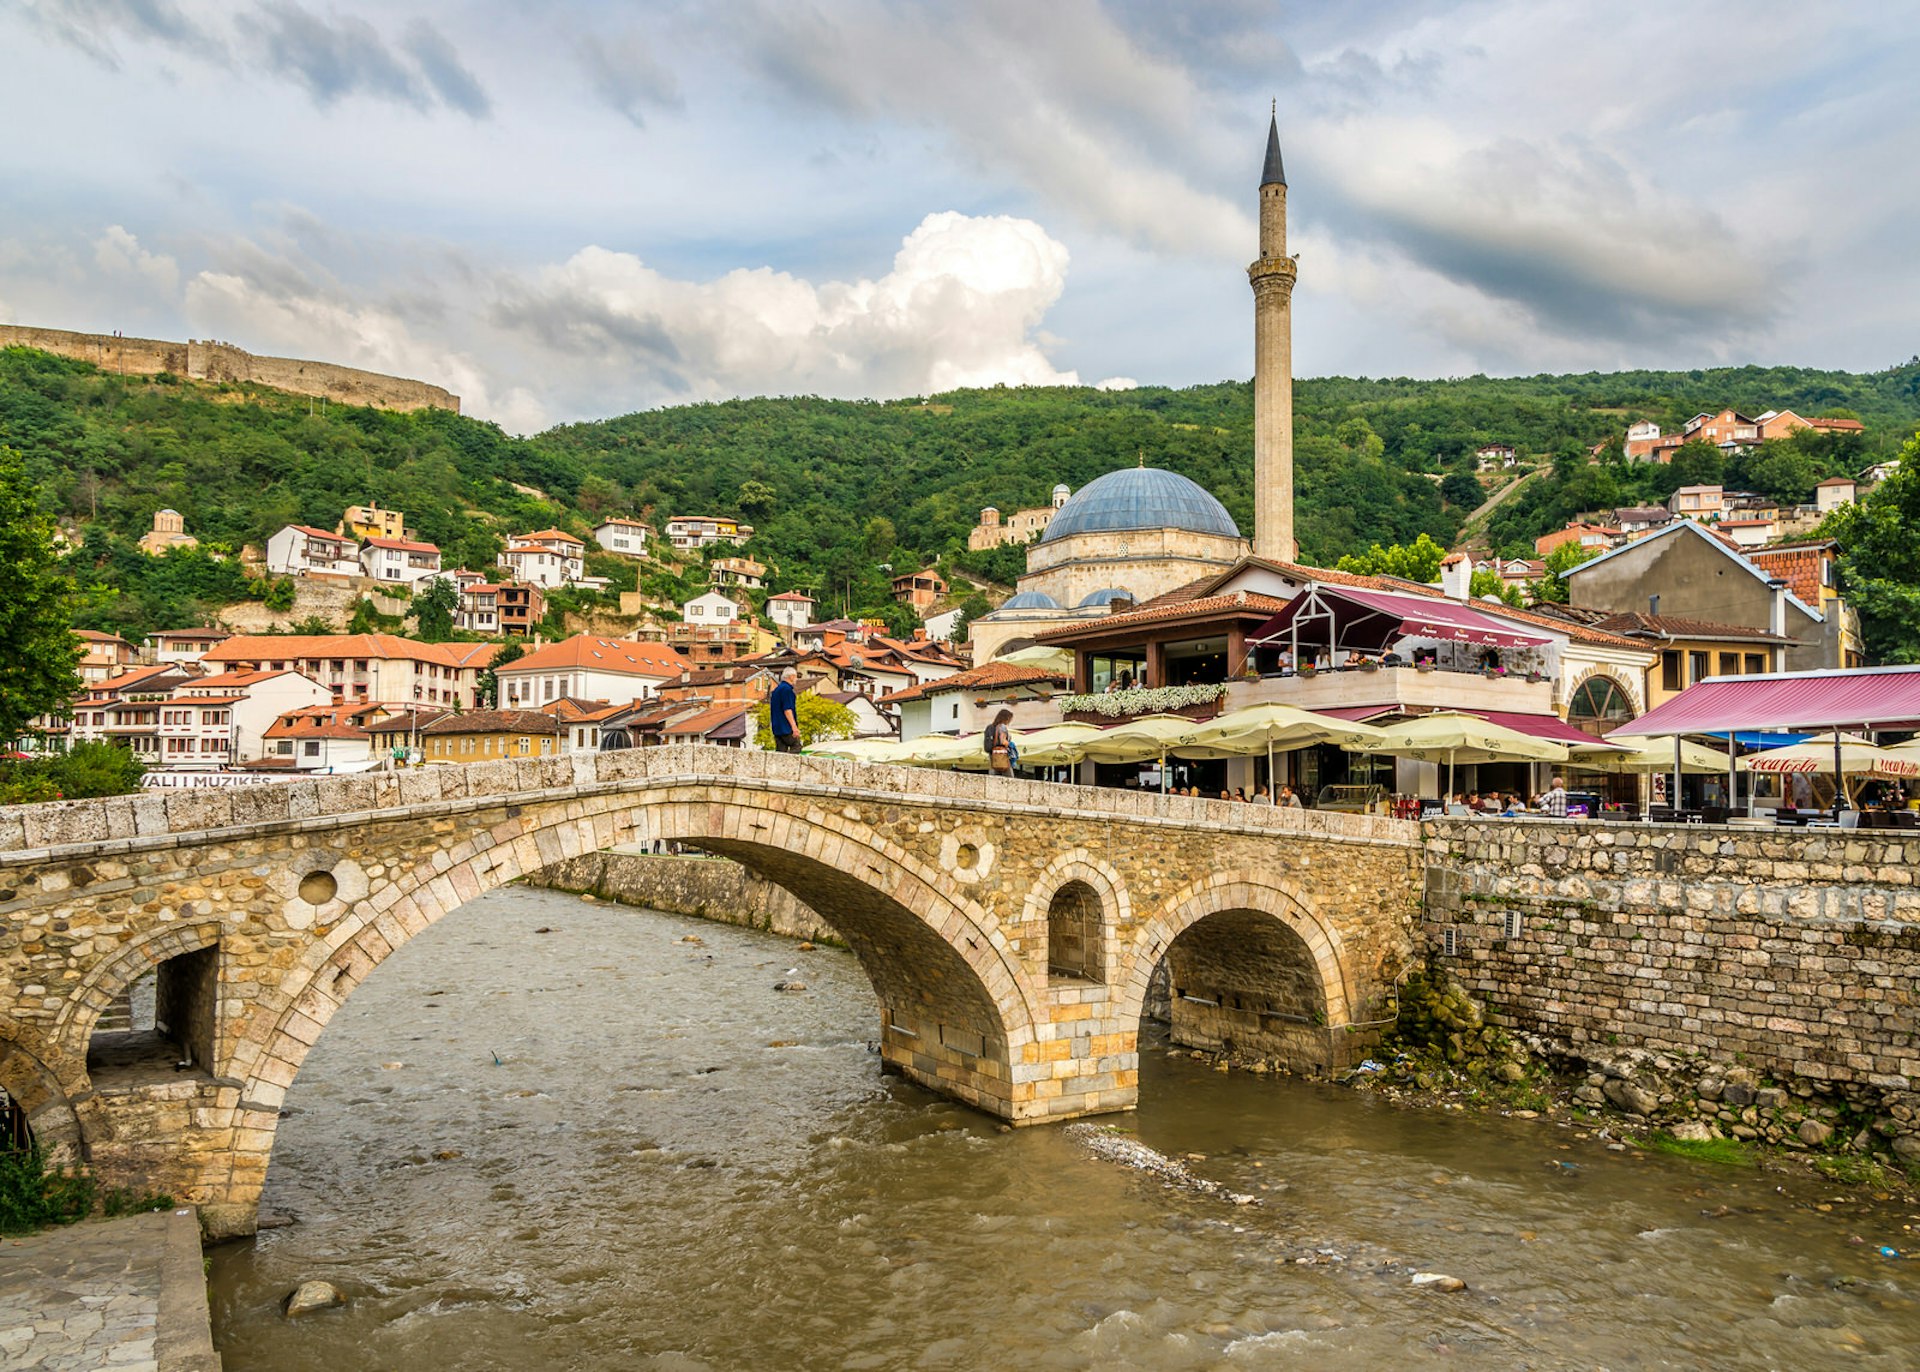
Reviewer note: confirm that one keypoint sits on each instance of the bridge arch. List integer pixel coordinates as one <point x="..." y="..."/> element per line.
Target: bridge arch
<point x="956" y="1003"/>
<point x="109" y="980"/>
<point x="1254" y="969"/>
<point x="1108" y="890"/>
<point x="28" y="1077"/>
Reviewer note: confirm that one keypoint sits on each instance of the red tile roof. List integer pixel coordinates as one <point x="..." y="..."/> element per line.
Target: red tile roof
<point x="988" y="676"/>
<point x="494" y="722"/>
<point x="1249" y="602"/>
<point x="401" y="545"/>
<point x="618" y="655"/>
<point x="1674" y="626"/>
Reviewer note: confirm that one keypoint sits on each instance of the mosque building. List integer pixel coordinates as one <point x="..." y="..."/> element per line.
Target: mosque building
<point x="1140" y="532"/>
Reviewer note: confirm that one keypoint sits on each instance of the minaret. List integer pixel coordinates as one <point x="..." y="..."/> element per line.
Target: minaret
<point x="1272" y="277"/>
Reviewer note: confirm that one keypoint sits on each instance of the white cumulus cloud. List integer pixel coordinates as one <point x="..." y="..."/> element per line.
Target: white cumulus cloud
<point x="960" y="307"/>
<point x="118" y="253"/>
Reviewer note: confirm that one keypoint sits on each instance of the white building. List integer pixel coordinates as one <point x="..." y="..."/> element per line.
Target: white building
<point x="323" y="738"/>
<point x="697" y="531"/>
<point x="584" y="667"/>
<point x="628" y="537"/>
<point x="791" y="609"/>
<point x="546" y="561"/>
<point x="940" y="627"/>
<point x="738" y="571"/>
<point x="710" y="609"/>
<point x="298" y="550"/>
<point x="1834" y="492"/>
<point x="363" y="668"/>
<point x="184" y="645"/>
<point x="398" y="560"/>
<point x="218" y="721"/>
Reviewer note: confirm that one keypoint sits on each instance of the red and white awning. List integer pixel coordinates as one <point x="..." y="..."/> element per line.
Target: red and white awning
<point x="1866" y="698"/>
<point x="1352" y="618"/>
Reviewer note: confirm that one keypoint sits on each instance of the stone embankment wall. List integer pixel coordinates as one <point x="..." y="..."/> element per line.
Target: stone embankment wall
<point x="1792" y="954"/>
<point x="707" y="887"/>
<point x="202" y="360"/>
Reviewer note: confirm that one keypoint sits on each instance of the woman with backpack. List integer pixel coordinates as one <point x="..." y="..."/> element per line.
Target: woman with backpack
<point x="1002" y="755"/>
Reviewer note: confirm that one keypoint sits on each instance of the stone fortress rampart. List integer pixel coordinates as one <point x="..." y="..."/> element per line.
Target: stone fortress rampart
<point x="205" y="360"/>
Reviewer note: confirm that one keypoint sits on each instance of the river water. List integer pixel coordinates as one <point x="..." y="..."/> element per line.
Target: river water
<point x="552" y="1134"/>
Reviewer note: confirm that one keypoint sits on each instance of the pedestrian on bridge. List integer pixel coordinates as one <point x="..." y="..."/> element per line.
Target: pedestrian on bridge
<point x="783" y="714"/>
<point x="1001" y="753"/>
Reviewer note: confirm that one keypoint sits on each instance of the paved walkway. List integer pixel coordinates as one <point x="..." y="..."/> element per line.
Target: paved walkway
<point x="122" y="1294"/>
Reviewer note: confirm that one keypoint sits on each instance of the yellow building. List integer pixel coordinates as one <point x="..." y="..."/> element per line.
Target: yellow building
<point x="490" y="735"/>
<point x="1692" y="650"/>
<point x="370" y="521"/>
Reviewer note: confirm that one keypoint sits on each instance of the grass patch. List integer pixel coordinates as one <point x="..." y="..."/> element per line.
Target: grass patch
<point x="1725" y="1152"/>
<point x="35" y="1196"/>
<point x="1852" y="1169"/>
<point x="122" y="1200"/>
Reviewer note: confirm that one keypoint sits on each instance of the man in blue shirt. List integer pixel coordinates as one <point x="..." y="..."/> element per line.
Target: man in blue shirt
<point x="784" y="715"/>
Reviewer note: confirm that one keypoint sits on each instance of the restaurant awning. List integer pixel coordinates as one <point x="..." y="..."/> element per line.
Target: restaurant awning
<point x="1865" y="698"/>
<point x="1364" y="619"/>
<point x="1540" y="726"/>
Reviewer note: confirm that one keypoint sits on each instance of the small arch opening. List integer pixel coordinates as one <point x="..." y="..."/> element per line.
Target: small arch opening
<point x="161" y="1026"/>
<point x="1242" y="982"/>
<point x="1073" y="934"/>
<point x="16" y="1135"/>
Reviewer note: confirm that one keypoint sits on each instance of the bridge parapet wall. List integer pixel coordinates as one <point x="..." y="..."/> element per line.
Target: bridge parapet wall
<point x="1796" y="951"/>
<point x="31" y="830"/>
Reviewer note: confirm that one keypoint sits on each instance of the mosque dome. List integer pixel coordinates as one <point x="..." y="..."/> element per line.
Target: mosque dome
<point x="1106" y="597"/>
<point x="1031" y="600"/>
<point x="1140" y="498"/>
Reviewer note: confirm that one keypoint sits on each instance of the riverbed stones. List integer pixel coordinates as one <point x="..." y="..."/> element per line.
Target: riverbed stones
<point x="1814" y="1133"/>
<point x="1632" y="1097"/>
<point x="310" y="1296"/>
<point x="1693" y="1131"/>
<point x="1437" y="1281"/>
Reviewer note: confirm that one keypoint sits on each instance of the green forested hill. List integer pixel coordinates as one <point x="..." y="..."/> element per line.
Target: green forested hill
<point x="837" y="487"/>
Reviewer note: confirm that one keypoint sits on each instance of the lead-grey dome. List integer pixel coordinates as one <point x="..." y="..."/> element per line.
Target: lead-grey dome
<point x="1031" y="600"/>
<point x="1106" y="597"/>
<point x="1140" y="498"/>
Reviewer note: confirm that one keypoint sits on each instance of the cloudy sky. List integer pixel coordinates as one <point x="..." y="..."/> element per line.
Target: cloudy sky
<point x="572" y="210"/>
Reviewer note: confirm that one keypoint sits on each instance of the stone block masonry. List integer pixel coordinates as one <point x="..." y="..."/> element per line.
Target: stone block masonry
<point x="259" y="909"/>
<point x="1794" y="952"/>
<point x="199" y="360"/>
<point x="707" y="888"/>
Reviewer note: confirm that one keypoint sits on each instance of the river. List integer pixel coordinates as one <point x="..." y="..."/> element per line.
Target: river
<point x="553" y="1134"/>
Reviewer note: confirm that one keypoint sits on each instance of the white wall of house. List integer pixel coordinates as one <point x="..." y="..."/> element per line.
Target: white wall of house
<point x="290" y="553"/>
<point x="709" y="609"/>
<point x="630" y="540"/>
<point x="529" y="690"/>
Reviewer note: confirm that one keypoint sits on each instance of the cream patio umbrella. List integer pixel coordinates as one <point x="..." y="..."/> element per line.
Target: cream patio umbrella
<point x="1649" y="757"/>
<point x="1454" y="738"/>
<point x="942" y="750"/>
<point x="1150" y="736"/>
<point x="1046" y="659"/>
<point x="1056" y="745"/>
<point x="1847" y="757"/>
<point x="1243" y="732"/>
<point x="859" y="749"/>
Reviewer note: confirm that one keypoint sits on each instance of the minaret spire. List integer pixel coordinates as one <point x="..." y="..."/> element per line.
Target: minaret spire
<point x="1275" y="171"/>
<point x="1272" y="277"/>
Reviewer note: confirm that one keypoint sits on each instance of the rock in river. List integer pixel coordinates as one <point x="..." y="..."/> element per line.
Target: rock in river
<point x="310" y="1296"/>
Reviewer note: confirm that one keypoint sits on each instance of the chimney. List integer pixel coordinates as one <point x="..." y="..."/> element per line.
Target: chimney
<point x="1456" y="577"/>
<point x="1653" y="607"/>
<point x="1777" y="620"/>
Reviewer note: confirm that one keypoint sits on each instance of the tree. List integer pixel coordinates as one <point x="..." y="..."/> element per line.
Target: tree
<point x="433" y="610"/>
<point x="1357" y="436"/>
<point x="1491" y="583"/>
<point x="1418" y="561"/>
<point x="756" y="498"/>
<point x="486" y="688"/>
<point x="1562" y="559"/>
<point x="1460" y="488"/>
<point x="1879" y="539"/>
<point x="971" y="609"/>
<point x="819" y="718"/>
<point x="38" y="651"/>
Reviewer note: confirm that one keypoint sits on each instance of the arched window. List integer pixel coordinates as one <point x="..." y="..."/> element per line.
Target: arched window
<point x="1599" y="700"/>
<point x="1073" y="932"/>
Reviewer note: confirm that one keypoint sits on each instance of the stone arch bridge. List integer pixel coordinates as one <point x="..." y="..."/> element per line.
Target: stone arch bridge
<point x="1010" y="928"/>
